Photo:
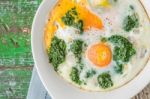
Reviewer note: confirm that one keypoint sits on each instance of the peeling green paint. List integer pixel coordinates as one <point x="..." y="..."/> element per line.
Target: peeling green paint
<point x="14" y="83"/>
<point x="16" y="61"/>
<point x="16" y="49"/>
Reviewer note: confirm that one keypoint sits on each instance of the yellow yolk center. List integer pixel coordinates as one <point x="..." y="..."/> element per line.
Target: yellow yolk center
<point x="103" y="3"/>
<point x="100" y="54"/>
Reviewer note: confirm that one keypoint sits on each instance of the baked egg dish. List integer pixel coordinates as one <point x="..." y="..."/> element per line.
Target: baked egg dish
<point x="98" y="45"/>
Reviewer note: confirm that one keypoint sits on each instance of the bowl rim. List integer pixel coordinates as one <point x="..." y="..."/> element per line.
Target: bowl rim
<point x="127" y="91"/>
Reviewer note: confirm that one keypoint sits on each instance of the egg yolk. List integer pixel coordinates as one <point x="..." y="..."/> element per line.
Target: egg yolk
<point x="103" y="3"/>
<point x="100" y="54"/>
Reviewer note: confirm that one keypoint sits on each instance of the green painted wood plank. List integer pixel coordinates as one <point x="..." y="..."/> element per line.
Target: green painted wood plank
<point x="16" y="61"/>
<point x="15" y="25"/>
<point x="16" y="49"/>
<point x="18" y="13"/>
<point x="14" y="83"/>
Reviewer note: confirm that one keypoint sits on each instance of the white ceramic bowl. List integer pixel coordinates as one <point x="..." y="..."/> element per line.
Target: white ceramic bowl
<point x="59" y="88"/>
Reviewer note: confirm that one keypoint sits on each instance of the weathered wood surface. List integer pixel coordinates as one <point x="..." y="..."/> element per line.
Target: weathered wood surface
<point x="144" y="94"/>
<point x="15" y="49"/>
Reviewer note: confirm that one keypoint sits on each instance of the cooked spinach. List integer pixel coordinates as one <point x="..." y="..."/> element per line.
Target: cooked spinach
<point x="131" y="7"/>
<point x="80" y="65"/>
<point x="77" y="49"/>
<point x="130" y="22"/>
<point x="115" y="0"/>
<point x="90" y="73"/>
<point x="103" y="39"/>
<point x="57" y="52"/>
<point x="119" y="68"/>
<point x="71" y="19"/>
<point x="104" y="80"/>
<point x="123" y="50"/>
<point x="79" y="25"/>
<point x="123" y="53"/>
<point x="74" y="75"/>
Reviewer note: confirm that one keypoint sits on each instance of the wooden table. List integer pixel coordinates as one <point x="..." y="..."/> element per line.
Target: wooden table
<point x="144" y="94"/>
<point x="16" y="61"/>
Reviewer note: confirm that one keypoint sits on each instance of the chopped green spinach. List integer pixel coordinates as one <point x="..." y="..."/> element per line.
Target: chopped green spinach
<point x="119" y="68"/>
<point x="77" y="49"/>
<point x="90" y="73"/>
<point x="74" y="75"/>
<point x="131" y="7"/>
<point x="103" y="39"/>
<point x="130" y="22"/>
<point x="79" y="25"/>
<point x="71" y="19"/>
<point x="104" y="80"/>
<point x="123" y="50"/>
<point x="57" y="52"/>
<point x="80" y="65"/>
<point x="115" y="0"/>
